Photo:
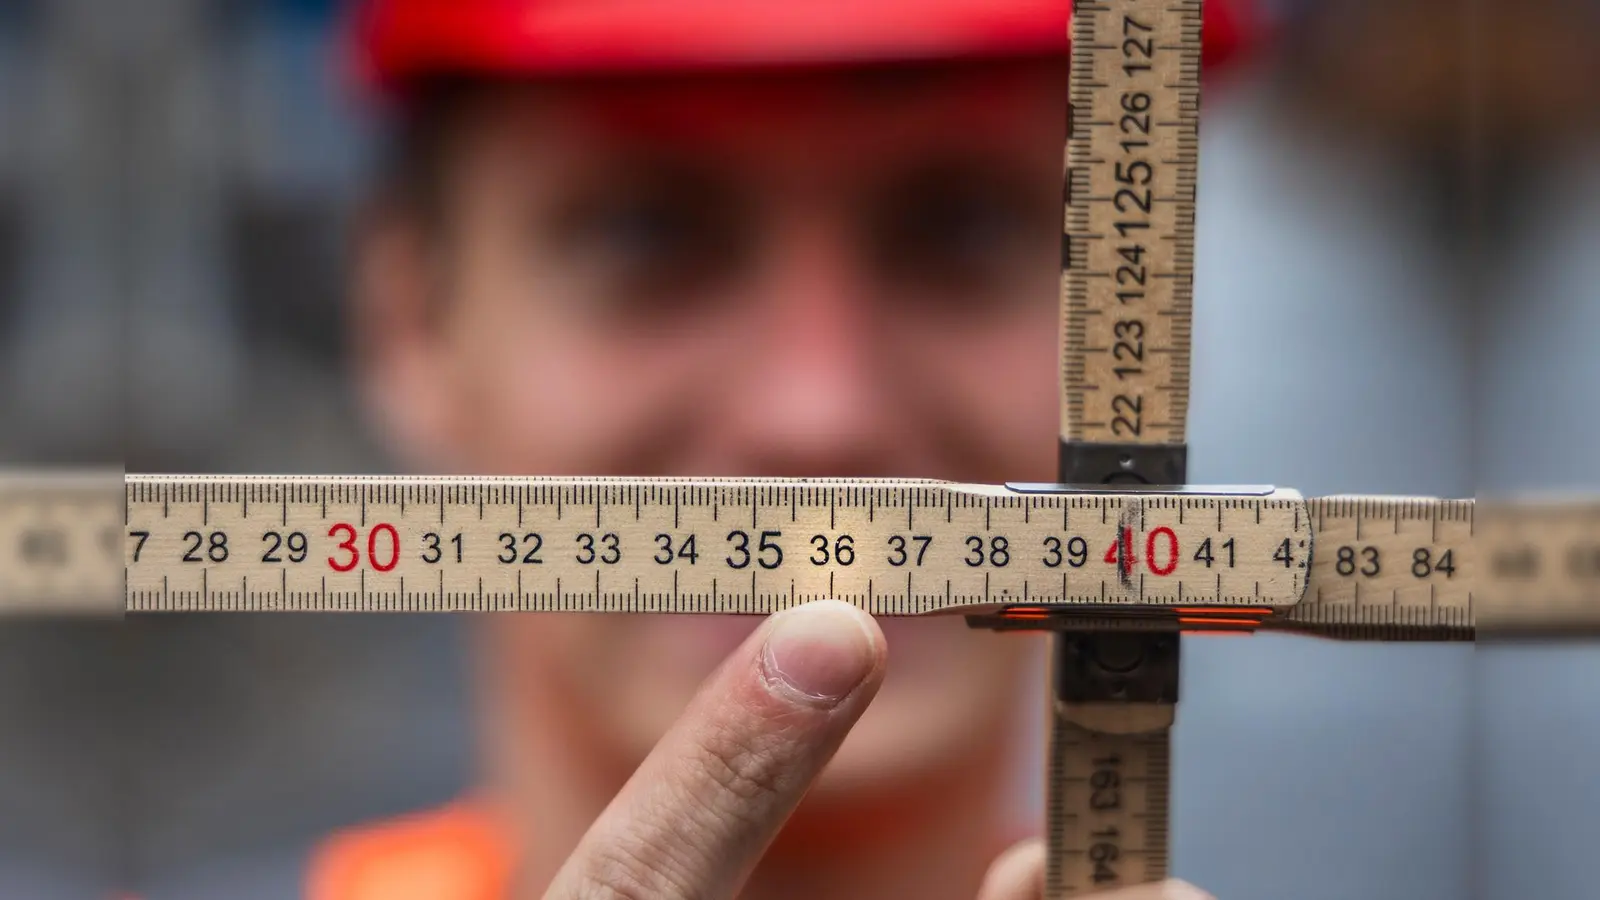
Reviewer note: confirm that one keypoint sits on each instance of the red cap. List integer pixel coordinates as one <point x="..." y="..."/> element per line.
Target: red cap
<point x="396" y="41"/>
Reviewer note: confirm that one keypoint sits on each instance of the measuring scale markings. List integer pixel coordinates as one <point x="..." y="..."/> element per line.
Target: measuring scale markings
<point x="1409" y="568"/>
<point x="1126" y="286"/>
<point x="751" y="546"/>
<point x="1128" y="228"/>
<point x="1386" y="568"/>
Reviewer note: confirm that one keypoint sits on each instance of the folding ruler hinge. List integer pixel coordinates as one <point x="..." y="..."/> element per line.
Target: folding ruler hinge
<point x="1101" y="667"/>
<point x="1123" y="464"/>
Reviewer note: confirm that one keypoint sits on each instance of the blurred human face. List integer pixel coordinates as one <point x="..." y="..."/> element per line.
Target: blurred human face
<point x="846" y="275"/>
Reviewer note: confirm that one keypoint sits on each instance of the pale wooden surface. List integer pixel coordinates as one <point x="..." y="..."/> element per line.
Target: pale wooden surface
<point x="385" y="544"/>
<point x="1132" y="161"/>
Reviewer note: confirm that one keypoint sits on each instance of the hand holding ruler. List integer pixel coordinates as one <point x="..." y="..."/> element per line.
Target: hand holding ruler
<point x="1119" y="558"/>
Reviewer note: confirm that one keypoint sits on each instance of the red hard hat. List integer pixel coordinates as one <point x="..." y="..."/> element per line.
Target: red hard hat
<point x="396" y="41"/>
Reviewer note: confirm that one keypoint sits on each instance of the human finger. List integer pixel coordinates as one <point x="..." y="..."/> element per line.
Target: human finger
<point x="699" y="812"/>
<point x="1017" y="874"/>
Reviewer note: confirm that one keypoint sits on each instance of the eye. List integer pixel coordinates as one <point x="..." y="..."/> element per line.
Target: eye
<point x="647" y="235"/>
<point x="960" y="235"/>
<point x="643" y="231"/>
<point x="655" y="241"/>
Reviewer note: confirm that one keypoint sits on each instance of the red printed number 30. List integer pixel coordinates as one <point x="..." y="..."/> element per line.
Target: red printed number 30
<point x="348" y="544"/>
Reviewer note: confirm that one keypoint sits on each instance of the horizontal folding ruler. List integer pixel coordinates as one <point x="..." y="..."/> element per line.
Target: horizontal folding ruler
<point x="1119" y="572"/>
<point x="1119" y="557"/>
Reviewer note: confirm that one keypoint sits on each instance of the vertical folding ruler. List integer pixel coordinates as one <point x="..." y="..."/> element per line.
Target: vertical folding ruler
<point x="1127" y="273"/>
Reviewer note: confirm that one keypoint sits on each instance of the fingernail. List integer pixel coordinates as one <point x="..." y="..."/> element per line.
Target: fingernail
<point x="820" y="650"/>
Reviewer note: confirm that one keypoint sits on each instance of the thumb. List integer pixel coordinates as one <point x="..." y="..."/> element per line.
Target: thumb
<point x="1018" y="873"/>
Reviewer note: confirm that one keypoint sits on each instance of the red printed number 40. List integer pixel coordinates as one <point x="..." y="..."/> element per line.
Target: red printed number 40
<point x="1121" y="552"/>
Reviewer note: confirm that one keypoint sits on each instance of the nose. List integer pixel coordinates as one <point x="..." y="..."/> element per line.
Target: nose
<point x="809" y="399"/>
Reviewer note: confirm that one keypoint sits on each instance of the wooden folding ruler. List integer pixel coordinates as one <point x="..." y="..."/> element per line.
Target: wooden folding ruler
<point x="1118" y="558"/>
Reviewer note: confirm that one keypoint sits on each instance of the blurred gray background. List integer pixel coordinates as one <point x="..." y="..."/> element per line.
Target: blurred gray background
<point x="176" y="182"/>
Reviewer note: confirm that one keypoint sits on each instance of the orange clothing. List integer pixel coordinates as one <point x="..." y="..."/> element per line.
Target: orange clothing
<point x="453" y="852"/>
